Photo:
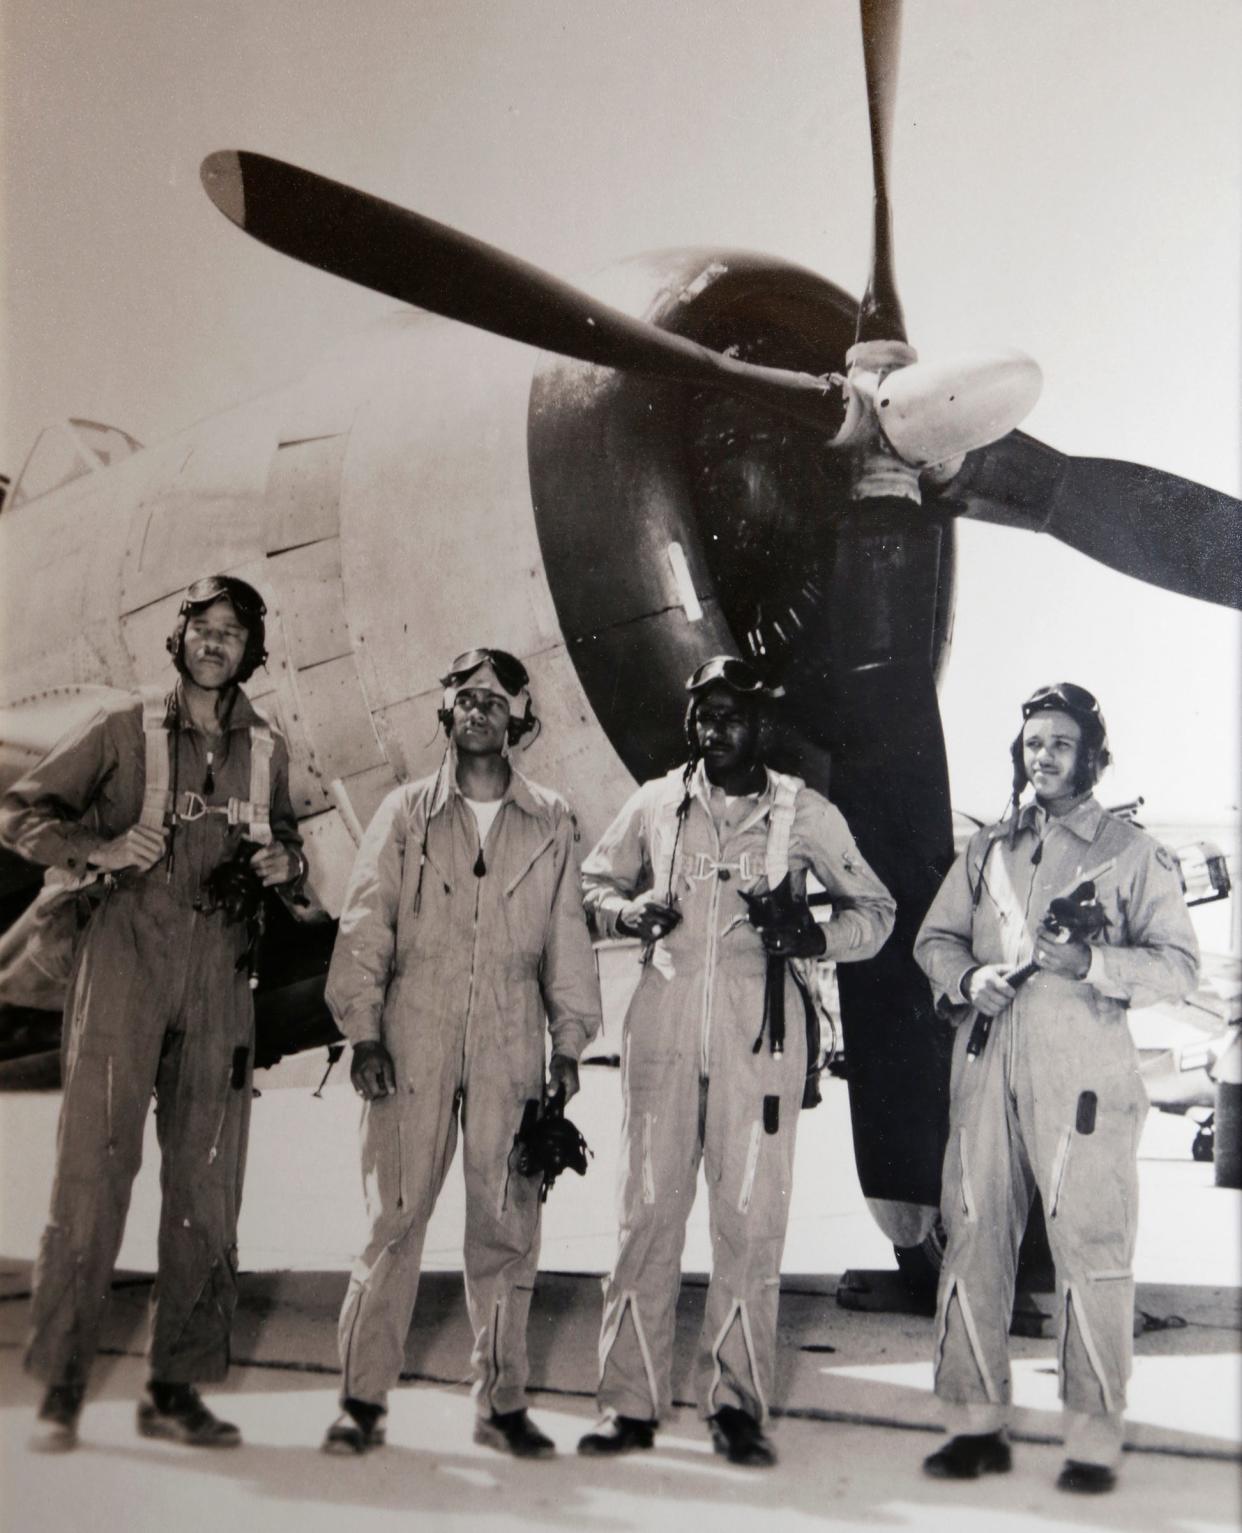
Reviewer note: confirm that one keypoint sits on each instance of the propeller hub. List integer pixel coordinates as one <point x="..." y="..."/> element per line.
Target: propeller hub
<point x="935" y="411"/>
<point x="879" y="471"/>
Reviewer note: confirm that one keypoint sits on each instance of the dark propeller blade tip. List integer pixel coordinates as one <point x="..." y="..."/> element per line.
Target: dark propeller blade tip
<point x="221" y="175"/>
<point x="1145" y="522"/>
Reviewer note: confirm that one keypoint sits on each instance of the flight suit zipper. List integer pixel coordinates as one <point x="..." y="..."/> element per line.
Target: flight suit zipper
<point x="400" y="1167"/>
<point x="752" y="1165"/>
<point x="1058" y="1171"/>
<point x="709" y="967"/>
<point x="224" y="1111"/>
<point x="968" y="1202"/>
<point x="474" y="964"/>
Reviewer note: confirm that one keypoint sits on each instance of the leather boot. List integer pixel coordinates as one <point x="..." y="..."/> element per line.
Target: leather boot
<point x="739" y="1438"/>
<point x="968" y="1456"/>
<point x="56" y="1428"/>
<point x="359" y="1428"/>
<point x="1086" y="1479"/>
<point x="176" y="1413"/>
<point x="513" y="1432"/>
<point x="617" y="1434"/>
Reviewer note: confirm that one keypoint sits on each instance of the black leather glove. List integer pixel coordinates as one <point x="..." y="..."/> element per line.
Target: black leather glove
<point x="805" y="939"/>
<point x="785" y="923"/>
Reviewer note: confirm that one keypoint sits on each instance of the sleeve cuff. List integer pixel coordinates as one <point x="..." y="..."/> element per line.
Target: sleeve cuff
<point x="1099" y="976"/>
<point x="569" y="1038"/>
<point x="608" y="915"/>
<point x="360" y="1027"/>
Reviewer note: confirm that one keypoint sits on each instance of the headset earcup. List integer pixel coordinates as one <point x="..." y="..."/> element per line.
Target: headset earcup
<point x="518" y="729"/>
<point x="1020" y="778"/>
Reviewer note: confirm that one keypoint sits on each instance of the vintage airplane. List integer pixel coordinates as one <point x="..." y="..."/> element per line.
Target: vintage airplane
<point x="714" y="451"/>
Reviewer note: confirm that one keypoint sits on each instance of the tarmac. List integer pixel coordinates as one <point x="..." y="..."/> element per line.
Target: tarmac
<point x="853" y="1410"/>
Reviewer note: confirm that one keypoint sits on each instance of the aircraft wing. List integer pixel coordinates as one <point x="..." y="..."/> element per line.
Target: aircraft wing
<point x="32" y="725"/>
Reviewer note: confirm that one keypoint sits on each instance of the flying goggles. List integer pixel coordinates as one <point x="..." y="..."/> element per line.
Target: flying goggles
<point x="244" y="599"/>
<point x="738" y="675"/>
<point x="1063" y="695"/>
<point x="509" y="670"/>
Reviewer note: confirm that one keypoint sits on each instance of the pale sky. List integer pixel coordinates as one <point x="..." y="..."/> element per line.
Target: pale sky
<point x="1068" y="180"/>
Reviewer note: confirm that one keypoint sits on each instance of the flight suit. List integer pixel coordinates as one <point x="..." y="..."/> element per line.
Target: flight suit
<point x="1055" y="1102"/>
<point x="452" y="960"/>
<point x="694" y="1086"/>
<point x="155" y="1003"/>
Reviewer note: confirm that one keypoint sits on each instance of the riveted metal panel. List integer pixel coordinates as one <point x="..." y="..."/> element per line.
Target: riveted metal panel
<point x="442" y="526"/>
<point x="336" y="717"/>
<point x="304" y="491"/>
<point x="145" y="633"/>
<point x="279" y="702"/>
<point x="203" y="510"/>
<point x="312" y="607"/>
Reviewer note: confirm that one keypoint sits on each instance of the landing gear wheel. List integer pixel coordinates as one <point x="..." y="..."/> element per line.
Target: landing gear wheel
<point x="1203" y="1147"/>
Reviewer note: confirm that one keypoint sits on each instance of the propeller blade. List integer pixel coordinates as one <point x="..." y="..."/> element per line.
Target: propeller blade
<point x="934" y="411"/>
<point x="1156" y="526"/>
<point x="391" y="250"/>
<point x="860" y="684"/>
<point x="880" y="317"/>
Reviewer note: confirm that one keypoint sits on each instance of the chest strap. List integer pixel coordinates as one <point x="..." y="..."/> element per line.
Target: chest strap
<point x="780" y="827"/>
<point x="155" y="795"/>
<point x="697" y="866"/>
<point x="258" y="808"/>
<point x="157" y="805"/>
<point x="772" y="862"/>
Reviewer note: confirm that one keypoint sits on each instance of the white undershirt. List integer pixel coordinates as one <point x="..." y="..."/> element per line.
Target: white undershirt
<point x="726" y="816"/>
<point x="484" y="811"/>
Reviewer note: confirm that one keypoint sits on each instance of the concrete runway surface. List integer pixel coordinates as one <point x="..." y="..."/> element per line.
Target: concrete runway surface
<point x="854" y="1390"/>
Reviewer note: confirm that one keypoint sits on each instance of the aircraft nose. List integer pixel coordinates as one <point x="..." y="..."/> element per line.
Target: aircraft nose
<point x="222" y="181"/>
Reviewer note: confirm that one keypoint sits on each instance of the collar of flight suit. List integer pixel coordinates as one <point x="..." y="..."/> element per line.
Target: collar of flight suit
<point x="701" y="787"/>
<point x="518" y="790"/>
<point x="1083" y="819"/>
<point x="241" y="714"/>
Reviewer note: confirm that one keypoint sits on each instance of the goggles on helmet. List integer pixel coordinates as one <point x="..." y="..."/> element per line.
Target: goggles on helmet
<point x="733" y="673"/>
<point x="510" y="672"/>
<point x="244" y="599"/>
<point x="1062" y="695"/>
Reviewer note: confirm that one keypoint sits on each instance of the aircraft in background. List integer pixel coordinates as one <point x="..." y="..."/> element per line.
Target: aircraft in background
<point x="714" y="451"/>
